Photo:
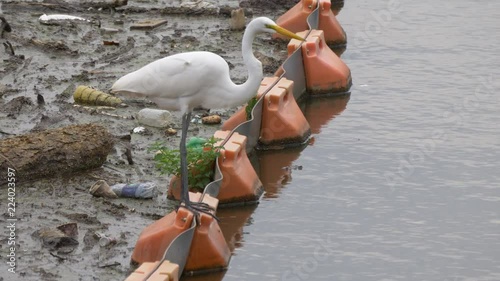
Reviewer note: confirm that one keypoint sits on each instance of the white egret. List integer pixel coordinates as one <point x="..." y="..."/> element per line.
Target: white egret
<point x="190" y="80"/>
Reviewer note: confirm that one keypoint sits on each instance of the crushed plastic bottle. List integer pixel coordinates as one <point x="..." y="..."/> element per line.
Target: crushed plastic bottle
<point x="144" y="190"/>
<point x="158" y="118"/>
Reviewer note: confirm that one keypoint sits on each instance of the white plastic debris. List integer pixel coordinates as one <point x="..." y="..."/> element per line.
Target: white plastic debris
<point x="196" y="4"/>
<point x="139" y="130"/>
<point x="56" y="19"/>
<point x="155" y="117"/>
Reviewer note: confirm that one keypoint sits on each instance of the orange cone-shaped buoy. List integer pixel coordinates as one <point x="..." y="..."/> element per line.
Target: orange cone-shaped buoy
<point x="335" y="35"/>
<point x="283" y="124"/>
<point x="240" y="183"/>
<point x="208" y="249"/>
<point x="155" y="239"/>
<point x="295" y="20"/>
<point x="325" y="71"/>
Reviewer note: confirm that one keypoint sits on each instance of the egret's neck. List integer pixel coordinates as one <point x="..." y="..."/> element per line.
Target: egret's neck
<point x="253" y="65"/>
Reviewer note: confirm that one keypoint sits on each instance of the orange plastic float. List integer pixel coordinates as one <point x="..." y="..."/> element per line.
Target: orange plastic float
<point x="325" y="71"/>
<point x="335" y="35"/>
<point x="283" y="124"/>
<point x="155" y="239"/>
<point x="240" y="184"/>
<point x="165" y="272"/>
<point x="295" y="20"/>
<point x="208" y="251"/>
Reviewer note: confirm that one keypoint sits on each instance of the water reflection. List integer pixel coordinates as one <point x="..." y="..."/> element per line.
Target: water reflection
<point x="274" y="169"/>
<point x="320" y="110"/>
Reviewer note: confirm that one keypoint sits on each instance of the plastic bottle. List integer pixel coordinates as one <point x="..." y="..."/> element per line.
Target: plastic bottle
<point x="158" y="118"/>
<point x="137" y="190"/>
<point x="105" y="241"/>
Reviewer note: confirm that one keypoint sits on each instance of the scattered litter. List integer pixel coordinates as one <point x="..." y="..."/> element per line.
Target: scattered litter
<point x="171" y="131"/>
<point x="60" y="19"/>
<point x="110" y="30"/>
<point x="102" y="189"/>
<point x="144" y="190"/>
<point x="196" y="119"/>
<point x="61" y="238"/>
<point x="91" y="96"/>
<point x="94" y="110"/>
<point x="237" y="21"/>
<point x="105" y="240"/>
<point x="211" y="120"/>
<point x="198" y="4"/>
<point x="139" y="130"/>
<point x="148" y="24"/>
<point x="158" y="118"/>
<point x="110" y="43"/>
<point x="70" y="229"/>
<point x="53" y="45"/>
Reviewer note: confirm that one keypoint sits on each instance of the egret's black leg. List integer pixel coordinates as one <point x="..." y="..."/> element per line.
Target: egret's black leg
<point x="194" y="207"/>
<point x="186" y="118"/>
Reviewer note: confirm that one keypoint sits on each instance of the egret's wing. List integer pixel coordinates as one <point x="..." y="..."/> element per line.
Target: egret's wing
<point x="178" y="82"/>
<point x="173" y="77"/>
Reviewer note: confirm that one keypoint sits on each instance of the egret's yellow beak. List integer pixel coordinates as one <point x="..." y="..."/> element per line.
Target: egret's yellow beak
<point x="285" y="32"/>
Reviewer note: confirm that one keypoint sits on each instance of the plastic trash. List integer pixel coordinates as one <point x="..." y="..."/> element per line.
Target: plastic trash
<point x="158" y="118"/>
<point x="58" y="19"/>
<point x="196" y="143"/>
<point x="144" y="190"/>
<point x="91" y="96"/>
<point x="105" y="241"/>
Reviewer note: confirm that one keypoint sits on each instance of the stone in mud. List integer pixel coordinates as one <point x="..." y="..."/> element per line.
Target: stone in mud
<point x="211" y="120"/>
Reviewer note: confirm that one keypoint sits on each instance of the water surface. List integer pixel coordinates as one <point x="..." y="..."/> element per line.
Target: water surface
<point x="404" y="184"/>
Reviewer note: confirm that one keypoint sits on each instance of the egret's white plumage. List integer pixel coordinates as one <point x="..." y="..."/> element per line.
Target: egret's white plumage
<point x="198" y="79"/>
<point x="186" y="81"/>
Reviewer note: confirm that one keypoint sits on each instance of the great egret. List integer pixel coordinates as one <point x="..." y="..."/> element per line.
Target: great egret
<point x="190" y="80"/>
